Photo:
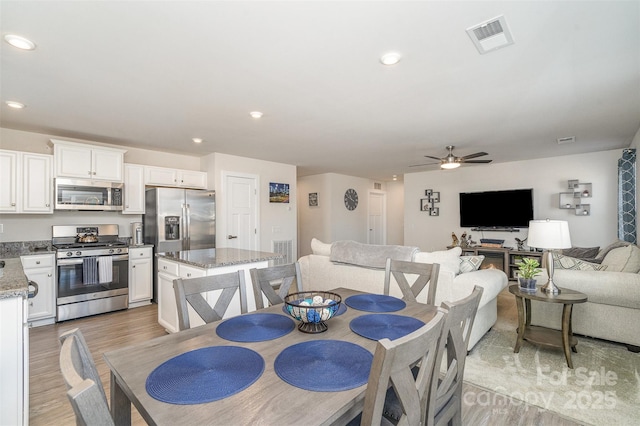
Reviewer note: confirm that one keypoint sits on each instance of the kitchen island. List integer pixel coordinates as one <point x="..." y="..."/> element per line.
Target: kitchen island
<point x="200" y="263"/>
<point x="14" y="341"/>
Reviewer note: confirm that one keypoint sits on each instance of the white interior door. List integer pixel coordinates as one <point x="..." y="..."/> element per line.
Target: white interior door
<point x="377" y="218"/>
<point x="241" y="201"/>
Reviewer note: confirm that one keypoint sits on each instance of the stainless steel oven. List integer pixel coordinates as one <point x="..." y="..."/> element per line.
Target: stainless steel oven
<point x="93" y="270"/>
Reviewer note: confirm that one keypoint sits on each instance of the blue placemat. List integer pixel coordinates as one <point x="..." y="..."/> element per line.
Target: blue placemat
<point x="324" y="365"/>
<point x="375" y="303"/>
<point x="255" y="327"/>
<point x="341" y="309"/>
<point x="379" y="326"/>
<point x="205" y="375"/>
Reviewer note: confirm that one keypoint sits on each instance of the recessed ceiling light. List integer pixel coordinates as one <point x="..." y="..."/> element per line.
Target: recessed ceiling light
<point x="197" y="140"/>
<point x="16" y="105"/>
<point x="19" y="42"/>
<point x="255" y="114"/>
<point x="390" y="58"/>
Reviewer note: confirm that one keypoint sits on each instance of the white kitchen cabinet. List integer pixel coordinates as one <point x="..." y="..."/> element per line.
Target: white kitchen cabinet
<point x="167" y="308"/>
<point x="163" y="176"/>
<point x="9" y="181"/>
<point x="81" y="161"/>
<point x="41" y="269"/>
<point x="25" y="182"/>
<point x="133" y="189"/>
<point x="140" y="276"/>
<point x="37" y="183"/>
<point x="14" y="359"/>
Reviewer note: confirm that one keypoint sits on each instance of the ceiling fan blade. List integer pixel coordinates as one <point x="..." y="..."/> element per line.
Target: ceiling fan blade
<point x="477" y="154"/>
<point x="477" y="161"/>
<point x="435" y="158"/>
<point x="426" y="164"/>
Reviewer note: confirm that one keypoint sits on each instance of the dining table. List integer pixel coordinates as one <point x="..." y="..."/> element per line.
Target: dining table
<point x="269" y="400"/>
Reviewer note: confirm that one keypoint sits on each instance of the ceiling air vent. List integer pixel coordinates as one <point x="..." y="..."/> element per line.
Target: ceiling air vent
<point x="568" y="139"/>
<point x="490" y="35"/>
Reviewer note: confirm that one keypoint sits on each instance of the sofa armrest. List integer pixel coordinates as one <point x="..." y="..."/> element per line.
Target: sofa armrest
<point x="604" y="287"/>
<point x="493" y="281"/>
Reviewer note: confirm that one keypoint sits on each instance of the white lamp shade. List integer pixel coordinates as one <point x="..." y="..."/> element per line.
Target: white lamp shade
<point x="549" y="234"/>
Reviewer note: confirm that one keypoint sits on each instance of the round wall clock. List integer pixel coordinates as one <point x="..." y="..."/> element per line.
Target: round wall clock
<point x="351" y="199"/>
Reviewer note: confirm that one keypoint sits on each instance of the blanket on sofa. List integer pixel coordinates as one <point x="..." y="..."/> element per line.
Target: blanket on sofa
<point x="369" y="255"/>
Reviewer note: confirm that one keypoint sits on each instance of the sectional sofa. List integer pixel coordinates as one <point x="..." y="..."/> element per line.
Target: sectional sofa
<point x="361" y="267"/>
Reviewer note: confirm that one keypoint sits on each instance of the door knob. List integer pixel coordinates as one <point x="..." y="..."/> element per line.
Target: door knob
<point x="231" y="237"/>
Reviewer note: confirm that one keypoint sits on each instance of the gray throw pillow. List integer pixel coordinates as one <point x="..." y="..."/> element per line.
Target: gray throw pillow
<point x="581" y="252"/>
<point x="614" y="245"/>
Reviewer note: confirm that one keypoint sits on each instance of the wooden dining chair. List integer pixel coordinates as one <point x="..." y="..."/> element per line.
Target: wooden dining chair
<point x="189" y="292"/>
<point x="275" y="283"/>
<point x="427" y="274"/>
<point x="404" y="366"/>
<point x="84" y="388"/>
<point x="445" y="406"/>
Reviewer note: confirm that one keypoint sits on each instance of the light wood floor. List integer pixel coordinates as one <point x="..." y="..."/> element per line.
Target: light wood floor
<point x="49" y="404"/>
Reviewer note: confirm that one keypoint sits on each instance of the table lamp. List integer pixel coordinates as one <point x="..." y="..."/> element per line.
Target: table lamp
<point x="549" y="235"/>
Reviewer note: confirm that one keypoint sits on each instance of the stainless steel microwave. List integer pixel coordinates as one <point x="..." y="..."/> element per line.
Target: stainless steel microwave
<point x="76" y="194"/>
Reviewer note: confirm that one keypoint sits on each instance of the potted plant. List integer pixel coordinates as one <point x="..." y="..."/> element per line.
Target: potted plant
<point x="528" y="269"/>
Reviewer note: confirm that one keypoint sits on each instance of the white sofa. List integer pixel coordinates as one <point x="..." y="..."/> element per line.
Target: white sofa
<point x="318" y="272"/>
<point x="612" y="311"/>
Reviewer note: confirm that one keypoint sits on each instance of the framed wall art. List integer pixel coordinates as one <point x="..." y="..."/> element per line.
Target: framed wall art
<point x="278" y="192"/>
<point x="313" y="199"/>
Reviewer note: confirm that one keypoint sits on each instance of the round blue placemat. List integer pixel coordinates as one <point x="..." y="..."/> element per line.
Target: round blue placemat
<point x="255" y="327"/>
<point x="341" y="310"/>
<point x="379" y="326"/>
<point x="324" y="365"/>
<point x="205" y="375"/>
<point x="375" y="303"/>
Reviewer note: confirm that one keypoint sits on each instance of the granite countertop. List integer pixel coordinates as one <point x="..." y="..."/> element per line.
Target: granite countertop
<point x="13" y="282"/>
<point x="25" y="248"/>
<point x="215" y="258"/>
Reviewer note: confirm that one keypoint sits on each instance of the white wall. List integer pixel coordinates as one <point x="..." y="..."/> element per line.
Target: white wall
<point x="331" y="221"/>
<point x="278" y="221"/>
<point x="395" y="213"/>
<point x="548" y="177"/>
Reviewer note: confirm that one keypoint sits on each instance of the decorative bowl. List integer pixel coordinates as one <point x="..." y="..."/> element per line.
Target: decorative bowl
<point x="312" y="309"/>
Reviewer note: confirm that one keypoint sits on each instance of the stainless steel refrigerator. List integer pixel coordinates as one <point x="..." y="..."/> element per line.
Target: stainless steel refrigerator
<point x="177" y="220"/>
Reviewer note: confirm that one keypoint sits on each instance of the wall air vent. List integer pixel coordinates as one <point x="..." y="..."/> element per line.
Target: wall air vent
<point x="490" y="35"/>
<point x="568" y="139"/>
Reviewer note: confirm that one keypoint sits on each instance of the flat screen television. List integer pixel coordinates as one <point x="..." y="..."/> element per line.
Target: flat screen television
<point x="496" y="209"/>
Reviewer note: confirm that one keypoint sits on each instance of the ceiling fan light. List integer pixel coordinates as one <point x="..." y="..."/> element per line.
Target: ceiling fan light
<point x="449" y="166"/>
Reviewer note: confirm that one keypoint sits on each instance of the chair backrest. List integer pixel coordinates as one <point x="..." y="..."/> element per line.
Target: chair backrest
<point x="427" y="274"/>
<point x="281" y="278"/>
<point x="190" y="290"/>
<point x="393" y="362"/>
<point x="84" y="388"/>
<point x="446" y="394"/>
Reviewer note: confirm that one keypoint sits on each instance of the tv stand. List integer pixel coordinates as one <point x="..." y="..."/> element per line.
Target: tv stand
<point x="505" y="259"/>
<point x="494" y="228"/>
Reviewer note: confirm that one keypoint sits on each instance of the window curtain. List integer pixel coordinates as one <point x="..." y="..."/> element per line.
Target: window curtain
<point x="627" y="196"/>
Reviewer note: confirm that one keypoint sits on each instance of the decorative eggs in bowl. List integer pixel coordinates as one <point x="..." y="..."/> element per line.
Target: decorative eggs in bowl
<point x="312" y="309"/>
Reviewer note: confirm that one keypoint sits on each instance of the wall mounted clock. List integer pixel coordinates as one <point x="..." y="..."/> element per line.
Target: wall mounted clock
<point x="351" y="199"/>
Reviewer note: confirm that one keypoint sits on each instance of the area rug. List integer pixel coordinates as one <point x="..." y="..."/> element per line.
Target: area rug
<point x="602" y="389"/>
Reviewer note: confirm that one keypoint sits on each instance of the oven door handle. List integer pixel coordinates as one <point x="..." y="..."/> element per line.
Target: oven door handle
<point x="78" y="260"/>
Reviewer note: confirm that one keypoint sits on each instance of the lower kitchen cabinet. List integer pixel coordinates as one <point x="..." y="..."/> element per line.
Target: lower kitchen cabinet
<point x="40" y="270"/>
<point x="14" y="359"/>
<point x="167" y="308"/>
<point x="140" y="276"/>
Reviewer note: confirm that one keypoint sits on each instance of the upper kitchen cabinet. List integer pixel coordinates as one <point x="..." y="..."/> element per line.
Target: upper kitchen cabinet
<point x="25" y="182"/>
<point x="133" y="189"/>
<point x="163" y="176"/>
<point x="76" y="160"/>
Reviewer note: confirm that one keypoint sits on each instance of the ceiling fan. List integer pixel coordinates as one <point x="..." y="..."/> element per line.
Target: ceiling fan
<point x="450" y="161"/>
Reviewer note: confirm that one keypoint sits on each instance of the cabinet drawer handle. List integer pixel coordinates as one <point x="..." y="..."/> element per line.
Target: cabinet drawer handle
<point x="13" y="204"/>
<point x="188" y="275"/>
<point x="37" y="262"/>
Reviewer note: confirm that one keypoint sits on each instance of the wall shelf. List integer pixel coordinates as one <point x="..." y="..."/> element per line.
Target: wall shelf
<point x="573" y="200"/>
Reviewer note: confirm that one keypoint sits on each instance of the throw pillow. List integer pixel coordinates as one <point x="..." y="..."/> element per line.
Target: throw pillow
<point x="470" y="263"/>
<point x="318" y="247"/>
<point x="581" y="252"/>
<point x="561" y="261"/>
<point x="623" y="259"/>
<point x="449" y="260"/>
<point x="610" y="247"/>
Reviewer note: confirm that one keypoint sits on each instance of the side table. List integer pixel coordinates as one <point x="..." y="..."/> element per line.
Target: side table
<point x="542" y="335"/>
